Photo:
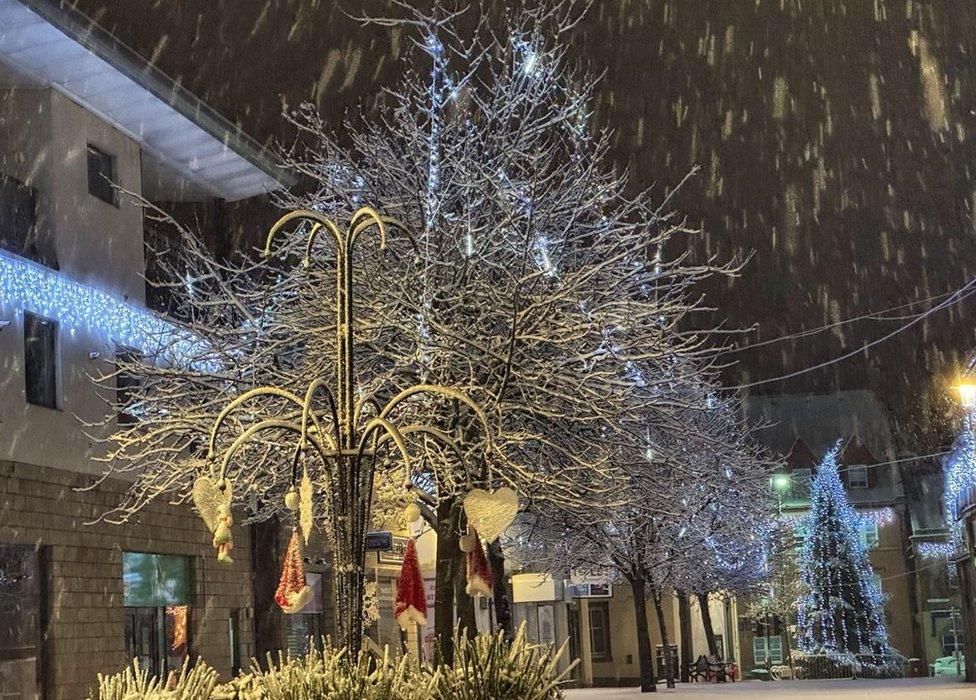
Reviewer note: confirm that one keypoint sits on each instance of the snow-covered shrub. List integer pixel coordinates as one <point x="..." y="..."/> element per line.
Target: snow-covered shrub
<point x="135" y="683"/>
<point x="489" y="667"/>
<point x="484" y="667"/>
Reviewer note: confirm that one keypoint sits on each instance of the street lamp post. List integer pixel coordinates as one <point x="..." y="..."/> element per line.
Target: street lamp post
<point x="347" y="435"/>
<point x="967" y="399"/>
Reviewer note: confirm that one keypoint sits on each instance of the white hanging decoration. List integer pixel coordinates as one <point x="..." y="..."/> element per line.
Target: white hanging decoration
<point x="212" y="500"/>
<point x="491" y="512"/>
<point x="305" y="516"/>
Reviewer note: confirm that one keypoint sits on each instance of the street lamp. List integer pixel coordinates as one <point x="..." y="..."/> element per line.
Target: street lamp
<point x="349" y="434"/>
<point x="967" y="394"/>
<point x="782" y="482"/>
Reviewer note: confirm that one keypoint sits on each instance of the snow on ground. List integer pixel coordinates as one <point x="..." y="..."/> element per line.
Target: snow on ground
<point x="900" y="688"/>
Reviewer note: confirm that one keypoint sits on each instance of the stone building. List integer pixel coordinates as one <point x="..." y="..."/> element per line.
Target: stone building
<point x="80" y="113"/>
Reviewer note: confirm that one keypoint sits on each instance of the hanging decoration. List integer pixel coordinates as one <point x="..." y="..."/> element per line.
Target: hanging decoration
<point x="305" y="514"/>
<point x="481" y="582"/>
<point x="410" y="605"/>
<point x="411" y="513"/>
<point x="293" y="592"/>
<point x="212" y="500"/>
<point x="491" y="512"/>
<point x="467" y="540"/>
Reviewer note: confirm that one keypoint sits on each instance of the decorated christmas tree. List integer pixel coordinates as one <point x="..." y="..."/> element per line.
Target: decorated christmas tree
<point x="840" y="612"/>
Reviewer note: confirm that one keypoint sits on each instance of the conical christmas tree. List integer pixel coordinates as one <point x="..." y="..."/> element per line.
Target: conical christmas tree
<point x="841" y="611"/>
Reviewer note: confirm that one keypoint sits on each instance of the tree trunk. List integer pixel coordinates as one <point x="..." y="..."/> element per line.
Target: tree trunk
<point x="706" y="616"/>
<point x="645" y="654"/>
<point x="684" y="634"/>
<point x="467" y="620"/>
<point x="447" y="546"/>
<point x="662" y="624"/>
<point x="500" y="599"/>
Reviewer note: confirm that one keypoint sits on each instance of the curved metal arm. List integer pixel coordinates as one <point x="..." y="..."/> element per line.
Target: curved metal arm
<point x="247" y="395"/>
<point x="438" y="390"/>
<point x="317" y="384"/>
<point x="271" y="424"/>
<point x="391" y="430"/>
<point x="318" y="220"/>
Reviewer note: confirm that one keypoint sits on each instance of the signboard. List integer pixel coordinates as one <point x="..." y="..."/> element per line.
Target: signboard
<point x="590" y="590"/>
<point x="379" y="541"/>
<point x="393" y="555"/>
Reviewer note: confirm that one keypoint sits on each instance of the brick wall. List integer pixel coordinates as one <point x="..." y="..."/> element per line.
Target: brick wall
<point x="41" y="507"/>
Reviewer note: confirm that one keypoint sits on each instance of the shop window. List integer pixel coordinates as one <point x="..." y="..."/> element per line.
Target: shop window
<point x="101" y="175"/>
<point x="41" y="360"/>
<point x="303" y="630"/>
<point x="20" y="621"/>
<point x="156" y="592"/>
<point x="600" y="630"/>
<point x="857" y="477"/>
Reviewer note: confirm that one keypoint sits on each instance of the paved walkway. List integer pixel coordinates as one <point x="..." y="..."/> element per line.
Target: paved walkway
<point x="899" y="688"/>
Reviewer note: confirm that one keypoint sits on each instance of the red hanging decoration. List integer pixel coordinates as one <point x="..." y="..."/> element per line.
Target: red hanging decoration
<point x="293" y="592"/>
<point x="480" y="579"/>
<point x="410" y="606"/>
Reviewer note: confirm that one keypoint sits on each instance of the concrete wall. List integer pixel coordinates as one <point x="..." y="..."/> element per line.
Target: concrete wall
<point x="41" y="507"/>
<point x="43" y="142"/>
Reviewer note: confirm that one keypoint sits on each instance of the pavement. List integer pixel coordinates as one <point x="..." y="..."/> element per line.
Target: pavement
<point x="899" y="688"/>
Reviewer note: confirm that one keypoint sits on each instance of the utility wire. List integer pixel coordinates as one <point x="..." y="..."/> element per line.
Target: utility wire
<point x="957" y="296"/>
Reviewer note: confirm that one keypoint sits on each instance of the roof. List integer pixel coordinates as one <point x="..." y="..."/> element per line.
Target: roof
<point x="58" y="46"/>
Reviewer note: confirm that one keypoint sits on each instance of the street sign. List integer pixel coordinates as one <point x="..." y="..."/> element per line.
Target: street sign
<point x="379" y="541"/>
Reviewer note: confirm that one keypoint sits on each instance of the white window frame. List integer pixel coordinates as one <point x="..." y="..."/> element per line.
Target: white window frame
<point x="857" y="476"/>
<point x="869" y="533"/>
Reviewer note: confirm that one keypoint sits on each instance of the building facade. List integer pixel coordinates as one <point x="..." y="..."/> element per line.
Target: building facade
<point x="921" y="606"/>
<point x="83" y="123"/>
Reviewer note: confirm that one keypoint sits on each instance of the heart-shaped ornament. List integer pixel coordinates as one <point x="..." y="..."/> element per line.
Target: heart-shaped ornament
<point x="491" y="512"/>
<point x="208" y="497"/>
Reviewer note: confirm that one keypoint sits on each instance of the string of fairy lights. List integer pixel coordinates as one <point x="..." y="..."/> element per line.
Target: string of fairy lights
<point x="26" y="286"/>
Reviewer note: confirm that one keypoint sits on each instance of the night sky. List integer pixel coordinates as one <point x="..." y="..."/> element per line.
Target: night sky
<point x="834" y="139"/>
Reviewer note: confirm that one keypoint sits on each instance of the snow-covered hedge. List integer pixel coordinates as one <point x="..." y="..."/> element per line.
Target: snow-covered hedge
<point x="485" y="667"/>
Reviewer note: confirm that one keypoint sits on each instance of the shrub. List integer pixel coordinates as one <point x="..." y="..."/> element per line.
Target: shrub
<point x="486" y="667"/>
<point x="135" y="683"/>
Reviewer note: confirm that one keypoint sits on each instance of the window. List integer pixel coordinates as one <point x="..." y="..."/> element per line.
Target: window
<point x="40" y="360"/>
<point x="21" y="621"/>
<point x="600" y="631"/>
<point x="775" y="649"/>
<point x="156" y="598"/>
<point x="125" y="384"/>
<point x="304" y="630"/>
<point x="101" y="175"/>
<point x="869" y="534"/>
<point x="801" y="483"/>
<point x="857" y="477"/>
<point x="16" y="216"/>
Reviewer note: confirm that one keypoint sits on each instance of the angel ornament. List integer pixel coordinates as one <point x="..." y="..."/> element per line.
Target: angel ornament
<point x="212" y="501"/>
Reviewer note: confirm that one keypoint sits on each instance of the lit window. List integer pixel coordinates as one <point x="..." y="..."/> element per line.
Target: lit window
<point x="101" y="175"/>
<point x="40" y="360"/>
<point x="869" y="534"/>
<point x="857" y="477"/>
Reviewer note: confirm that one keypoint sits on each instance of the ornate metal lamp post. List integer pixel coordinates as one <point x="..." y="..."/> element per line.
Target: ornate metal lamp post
<point x="348" y="434"/>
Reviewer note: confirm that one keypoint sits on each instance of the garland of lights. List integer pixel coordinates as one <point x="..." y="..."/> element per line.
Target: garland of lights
<point x="841" y="612"/>
<point x="28" y="286"/>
